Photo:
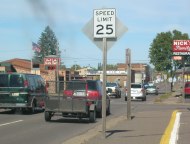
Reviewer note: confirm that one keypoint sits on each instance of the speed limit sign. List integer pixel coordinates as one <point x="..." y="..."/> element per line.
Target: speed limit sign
<point x="104" y="23"/>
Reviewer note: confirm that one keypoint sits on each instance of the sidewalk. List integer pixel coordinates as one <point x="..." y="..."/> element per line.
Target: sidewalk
<point x="146" y="127"/>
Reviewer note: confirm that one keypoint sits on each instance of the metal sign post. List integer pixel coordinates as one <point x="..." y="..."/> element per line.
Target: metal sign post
<point x="183" y="85"/>
<point x="128" y="61"/>
<point x="104" y="88"/>
<point x="102" y="28"/>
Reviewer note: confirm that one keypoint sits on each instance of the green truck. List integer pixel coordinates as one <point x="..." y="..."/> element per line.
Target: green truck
<point x="20" y="91"/>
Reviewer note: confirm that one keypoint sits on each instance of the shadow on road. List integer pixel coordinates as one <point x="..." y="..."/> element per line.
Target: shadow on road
<point x="112" y="132"/>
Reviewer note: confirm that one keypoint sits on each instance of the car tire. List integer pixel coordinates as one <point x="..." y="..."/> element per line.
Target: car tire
<point x="13" y="111"/>
<point x="32" y="109"/>
<point x="92" y="116"/>
<point x="108" y="110"/>
<point x="99" y="114"/>
<point x="47" y="116"/>
<point x="144" y="99"/>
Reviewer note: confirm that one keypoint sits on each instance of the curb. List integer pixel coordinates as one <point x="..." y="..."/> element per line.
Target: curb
<point x="85" y="137"/>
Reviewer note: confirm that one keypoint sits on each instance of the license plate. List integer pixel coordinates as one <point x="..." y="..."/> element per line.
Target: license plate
<point x="79" y="94"/>
<point x="15" y="94"/>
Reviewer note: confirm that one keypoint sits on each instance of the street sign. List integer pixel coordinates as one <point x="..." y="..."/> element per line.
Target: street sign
<point x="51" y="61"/>
<point x="181" y="47"/>
<point x="102" y="31"/>
<point x="104" y="23"/>
<point x="120" y="30"/>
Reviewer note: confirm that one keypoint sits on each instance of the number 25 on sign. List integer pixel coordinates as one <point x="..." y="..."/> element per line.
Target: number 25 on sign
<point x="104" y="23"/>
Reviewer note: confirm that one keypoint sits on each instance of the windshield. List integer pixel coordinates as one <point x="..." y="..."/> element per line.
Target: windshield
<point x="152" y="87"/>
<point x="3" y="80"/>
<point x="111" y="84"/>
<point x="16" y="81"/>
<point x="135" y="86"/>
<point x="81" y="85"/>
<point x="76" y="85"/>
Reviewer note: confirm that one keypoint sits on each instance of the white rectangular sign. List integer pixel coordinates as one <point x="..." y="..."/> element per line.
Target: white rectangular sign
<point x="51" y="61"/>
<point x="104" y="23"/>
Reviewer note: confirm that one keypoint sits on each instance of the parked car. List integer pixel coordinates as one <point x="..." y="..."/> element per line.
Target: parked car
<point x="187" y="90"/>
<point x="137" y="92"/>
<point x="152" y="90"/>
<point x="113" y="89"/>
<point x="22" y="91"/>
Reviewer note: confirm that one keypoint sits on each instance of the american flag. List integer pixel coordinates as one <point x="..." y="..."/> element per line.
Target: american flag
<point x="35" y="47"/>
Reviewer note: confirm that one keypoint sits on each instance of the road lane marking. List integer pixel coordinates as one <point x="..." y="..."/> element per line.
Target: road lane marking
<point x="10" y="123"/>
<point x="170" y="135"/>
<point x="174" y="134"/>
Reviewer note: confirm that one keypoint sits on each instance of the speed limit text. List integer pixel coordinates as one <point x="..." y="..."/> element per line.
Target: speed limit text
<point x="103" y="16"/>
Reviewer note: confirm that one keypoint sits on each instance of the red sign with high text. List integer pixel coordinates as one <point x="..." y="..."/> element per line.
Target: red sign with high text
<point x="181" y="45"/>
<point x="51" y="61"/>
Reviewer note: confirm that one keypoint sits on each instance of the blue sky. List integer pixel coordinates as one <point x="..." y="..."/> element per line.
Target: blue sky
<point x="23" y="21"/>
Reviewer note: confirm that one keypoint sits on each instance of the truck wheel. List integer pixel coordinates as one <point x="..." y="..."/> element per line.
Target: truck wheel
<point x="32" y="109"/>
<point x="13" y="110"/>
<point x="92" y="117"/>
<point x="144" y="99"/>
<point x="47" y="116"/>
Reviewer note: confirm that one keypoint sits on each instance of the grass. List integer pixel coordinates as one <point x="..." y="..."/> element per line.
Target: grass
<point x="163" y="97"/>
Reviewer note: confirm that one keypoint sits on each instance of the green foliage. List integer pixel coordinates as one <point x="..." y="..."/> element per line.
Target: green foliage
<point x="111" y="67"/>
<point x="108" y="66"/>
<point x="160" y="52"/>
<point x="48" y="44"/>
<point x="75" y="67"/>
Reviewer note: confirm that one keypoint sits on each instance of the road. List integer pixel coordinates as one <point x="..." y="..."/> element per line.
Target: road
<point x="30" y="129"/>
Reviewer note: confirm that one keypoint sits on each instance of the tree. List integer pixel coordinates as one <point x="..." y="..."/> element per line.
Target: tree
<point x="75" y="67"/>
<point x="48" y="45"/>
<point x="160" y="51"/>
<point x="108" y="66"/>
<point x="111" y="67"/>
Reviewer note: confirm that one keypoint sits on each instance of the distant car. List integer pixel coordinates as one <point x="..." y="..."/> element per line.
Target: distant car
<point x="152" y="90"/>
<point x="137" y="92"/>
<point x="145" y="85"/>
<point x="187" y="90"/>
<point x="113" y="89"/>
<point x="150" y="83"/>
